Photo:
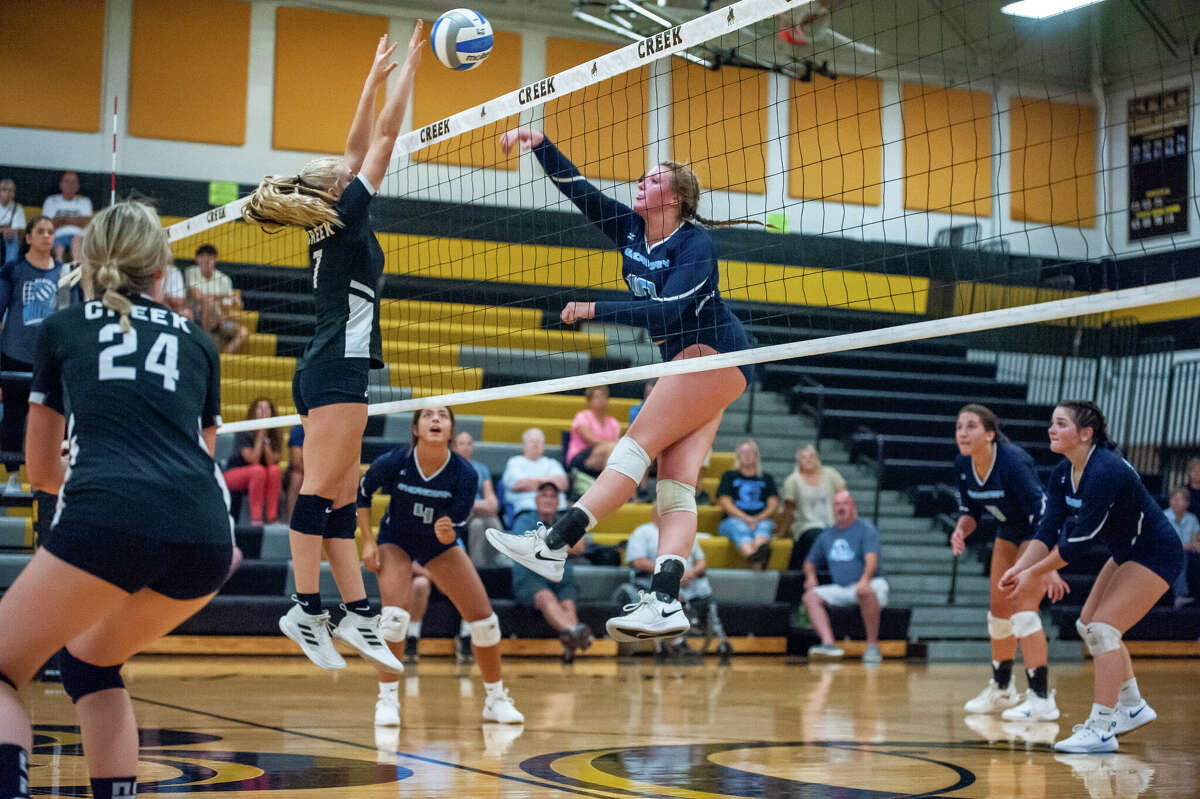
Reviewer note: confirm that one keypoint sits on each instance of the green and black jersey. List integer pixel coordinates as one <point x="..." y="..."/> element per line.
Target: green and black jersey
<point x="347" y="262"/>
<point x="135" y="404"/>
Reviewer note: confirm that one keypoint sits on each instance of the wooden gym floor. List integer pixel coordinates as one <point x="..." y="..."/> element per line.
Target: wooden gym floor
<point x="269" y="727"/>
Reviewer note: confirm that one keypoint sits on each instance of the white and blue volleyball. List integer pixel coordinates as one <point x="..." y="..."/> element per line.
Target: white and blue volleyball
<point x="461" y="39"/>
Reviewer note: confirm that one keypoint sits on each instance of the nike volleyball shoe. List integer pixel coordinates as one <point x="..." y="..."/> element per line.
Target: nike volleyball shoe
<point x="650" y="617"/>
<point x="530" y="550"/>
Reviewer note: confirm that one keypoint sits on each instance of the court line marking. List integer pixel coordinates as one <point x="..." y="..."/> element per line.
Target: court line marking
<point x="357" y="745"/>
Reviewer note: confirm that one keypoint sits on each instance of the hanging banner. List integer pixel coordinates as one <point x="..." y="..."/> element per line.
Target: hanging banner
<point x="1158" y="164"/>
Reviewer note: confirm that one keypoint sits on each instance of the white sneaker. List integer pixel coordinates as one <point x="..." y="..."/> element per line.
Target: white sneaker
<point x="648" y="618"/>
<point x="530" y="550"/>
<point x="1093" y="736"/>
<point x="872" y="655"/>
<point x="387" y="711"/>
<point x="13" y="486"/>
<point x="500" y="708"/>
<point x="1130" y="718"/>
<point x="362" y="633"/>
<point x="312" y="634"/>
<point x="993" y="698"/>
<point x="1034" y="708"/>
<point x="825" y="652"/>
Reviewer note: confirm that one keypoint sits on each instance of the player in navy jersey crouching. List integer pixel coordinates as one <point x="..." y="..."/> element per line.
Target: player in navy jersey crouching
<point x="1095" y="496"/>
<point x="432" y="490"/>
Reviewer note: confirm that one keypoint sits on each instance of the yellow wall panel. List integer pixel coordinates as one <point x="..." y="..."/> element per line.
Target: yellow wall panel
<point x="321" y="60"/>
<point x="52" y="61"/>
<point x="1053" y="163"/>
<point x="602" y="128"/>
<point x="719" y="125"/>
<point x="439" y="92"/>
<point x="836" y="140"/>
<point x="947" y="150"/>
<point x="185" y="83"/>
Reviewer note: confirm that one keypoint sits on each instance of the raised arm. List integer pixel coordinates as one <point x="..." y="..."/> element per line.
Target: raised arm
<point x="359" y="138"/>
<point x="387" y="125"/>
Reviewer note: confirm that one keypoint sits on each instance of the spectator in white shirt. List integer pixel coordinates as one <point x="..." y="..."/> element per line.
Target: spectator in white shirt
<point x="211" y="292"/>
<point x="12" y="223"/>
<point x="525" y="472"/>
<point x="70" y="212"/>
<point x="175" y="292"/>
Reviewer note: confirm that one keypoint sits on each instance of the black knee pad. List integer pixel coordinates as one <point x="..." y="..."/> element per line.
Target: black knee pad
<point x="80" y="678"/>
<point x="311" y="514"/>
<point x="343" y="522"/>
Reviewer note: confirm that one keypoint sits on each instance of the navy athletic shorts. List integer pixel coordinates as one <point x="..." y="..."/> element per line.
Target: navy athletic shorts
<point x="330" y="382"/>
<point x="1158" y="551"/>
<point x="133" y="562"/>
<point x="421" y="548"/>
<point x="1013" y="535"/>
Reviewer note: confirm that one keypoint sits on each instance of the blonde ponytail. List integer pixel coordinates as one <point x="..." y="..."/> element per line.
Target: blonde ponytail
<point x="305" y="200"/>
<point x="686" y="186"/>
<point x="110" y="280"/>
<point x="124" y="247"/>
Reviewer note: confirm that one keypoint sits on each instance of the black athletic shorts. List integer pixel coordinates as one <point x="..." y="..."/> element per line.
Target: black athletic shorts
<point x="330" y="382"/>
<point x="133" y="562"/>
<point x="420" y="548"/>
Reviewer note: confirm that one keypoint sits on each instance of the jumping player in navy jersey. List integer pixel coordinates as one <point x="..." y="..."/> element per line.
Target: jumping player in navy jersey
<point x="1095" y="497"/>
<point x="433" y="490"/>
<point x="670" y="267"/>
<point x="330" y="199"/>
<point x="141" y="538"/>
<point x="997" y="477"/>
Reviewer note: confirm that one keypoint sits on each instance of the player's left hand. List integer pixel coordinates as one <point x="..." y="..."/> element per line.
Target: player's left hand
<point x="1014" y="583"/>
<point x="1056" y="587"/>
<point x="415" y="45"/>
<point x="443" y="528"/>
<point x="576" y="311"/>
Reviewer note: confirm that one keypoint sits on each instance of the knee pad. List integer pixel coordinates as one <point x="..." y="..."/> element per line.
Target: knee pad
<point x="629" y="459"/>
<point x="1081" y="628"/>
<point x="1101" y="638"/>
<point x="393" y="624"/>
<point x="80" y="678"/>
<point x="1025" y="623"/>
<point x="311" y="514"/>
<point x="342" y="522"/>
<point x="998" y="627"/>
<point x="485" y="632"/>
<point x="675" y="496"/>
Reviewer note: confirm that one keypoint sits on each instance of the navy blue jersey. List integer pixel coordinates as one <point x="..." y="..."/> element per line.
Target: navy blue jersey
<point x="28" y="296"/>
<point x="1010" y="491"/>
<point x="418" y="501"/>
<point x="675" y="282"/>
<point x="347" y="262"/>
<point x="1110" y="506"/>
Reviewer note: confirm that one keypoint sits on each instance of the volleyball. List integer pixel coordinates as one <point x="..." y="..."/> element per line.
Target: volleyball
<point x="461" y="39"/>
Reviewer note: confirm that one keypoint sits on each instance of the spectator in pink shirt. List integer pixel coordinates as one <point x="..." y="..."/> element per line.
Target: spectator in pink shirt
<point x="593" y="434"/>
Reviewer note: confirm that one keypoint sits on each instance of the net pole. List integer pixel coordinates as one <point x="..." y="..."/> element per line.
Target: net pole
<point x="112" y="190"/>
<point x="1088" y="305"/>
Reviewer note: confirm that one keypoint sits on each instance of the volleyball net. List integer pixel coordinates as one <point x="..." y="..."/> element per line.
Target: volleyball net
<point x="936" y="171"/>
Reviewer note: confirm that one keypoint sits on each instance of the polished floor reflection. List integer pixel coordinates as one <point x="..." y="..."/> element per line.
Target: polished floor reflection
<point x="759" y="727"/>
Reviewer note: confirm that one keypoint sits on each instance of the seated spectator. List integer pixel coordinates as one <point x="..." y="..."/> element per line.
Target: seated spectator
<point x="807" y="496"/>
<point x="175" y="293"/>
<point x="70" y="213"/>
<point x="1193" y="484"/>
<point x="254" y="465"/>
<point x="28" y="295"/>
<point x="749" y="500"/>
<point x="850" y="550"/>
<point x="295" y="470"/>
<point x="593" y="435"/>
<point x="485" y="512"/>
<point x="12" y="223"/>
<point x="524" y="473"/>
<point x="1187" y="527"/>
<point x="555" y="601"/>
<point x="211" y="292"/>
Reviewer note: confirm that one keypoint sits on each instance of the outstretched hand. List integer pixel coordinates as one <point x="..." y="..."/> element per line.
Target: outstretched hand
<point x="576" y="311"/>
<point x="383" y="64"/>
<point x="1056" y="587"/>
<point x="527" y="137"/>
<point x="416" y="45"/>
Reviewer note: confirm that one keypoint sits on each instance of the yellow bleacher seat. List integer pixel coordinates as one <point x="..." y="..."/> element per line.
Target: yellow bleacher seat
<point x="494" y="315"/>
<point x="441" y="332"/>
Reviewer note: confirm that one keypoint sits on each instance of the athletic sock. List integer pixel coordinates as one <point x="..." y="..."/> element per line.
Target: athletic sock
<point x="1002" y="672"/>
<point x="414" y="629"/>
<point x="1039" y="680"/>
<point x="1129" y="696"/>
<point x="309" y="603"/>
<point x="494" y="688"/>
<point x="389" y="689"/>
<point x="464" y="629"/>
<point x="1103" y="714"/>
<point x="14" y="771"/>
<point x="668" y="571"/>
<point x="362" y="607"/>
<point x="113" y="787"/>
<point x="567" y="531"/>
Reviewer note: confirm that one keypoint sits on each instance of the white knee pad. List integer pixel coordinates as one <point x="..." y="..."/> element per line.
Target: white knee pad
<point x="393" y="624"/>
<point x="675" y="496"/>
<point x="629" y="459"/>
<point x="1101" y="638"/>
<point x="485" y="632"/>
<point x="1081" y="628"/>
<point x="998" y="627"/>
<point x="1025" y="623"/>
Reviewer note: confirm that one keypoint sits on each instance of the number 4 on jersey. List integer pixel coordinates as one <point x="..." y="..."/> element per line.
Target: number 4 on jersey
<point x="162" y="360"/>
<point x="423" y="513"/>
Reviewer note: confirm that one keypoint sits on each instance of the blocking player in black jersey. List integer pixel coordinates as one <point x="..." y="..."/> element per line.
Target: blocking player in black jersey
<point x="330" y="199"/>
<point x="142" y="537"/>
<point x="433" y="490"/>
<point x="997" y="477"/>
<point x="1095" y="496"/>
